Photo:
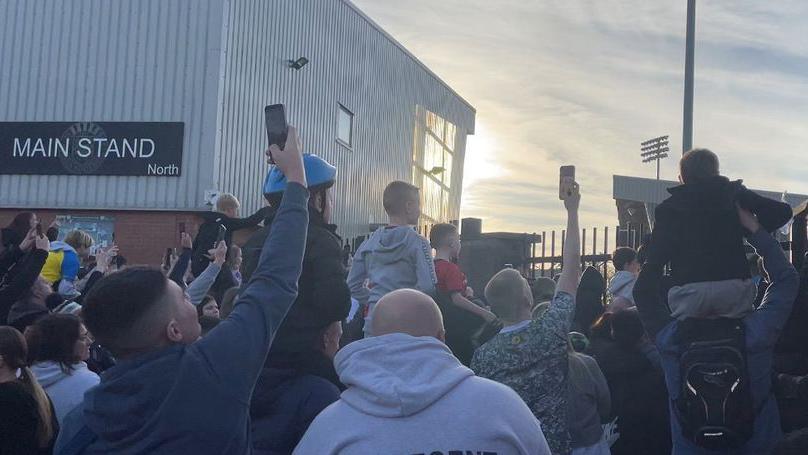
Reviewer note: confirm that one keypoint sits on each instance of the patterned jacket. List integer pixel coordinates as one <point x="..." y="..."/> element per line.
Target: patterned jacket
<point x="533" y="361"/>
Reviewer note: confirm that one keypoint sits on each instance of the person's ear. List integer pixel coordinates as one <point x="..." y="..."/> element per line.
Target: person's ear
<point x="441" y="335"/>
<point x="173" y="332"/>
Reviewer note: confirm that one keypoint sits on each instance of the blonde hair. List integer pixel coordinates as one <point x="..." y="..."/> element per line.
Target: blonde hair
<point x="226" y="201"/>
<point x="505" y="291"/>
<point x="79" y="239"/>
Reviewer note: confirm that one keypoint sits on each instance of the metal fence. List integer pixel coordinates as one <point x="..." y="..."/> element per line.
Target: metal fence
<point x="596" y="248"/>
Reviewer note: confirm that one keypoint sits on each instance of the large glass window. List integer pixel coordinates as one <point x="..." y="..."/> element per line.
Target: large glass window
<point x="345" y="125"/>
<point x="433" y="158"/>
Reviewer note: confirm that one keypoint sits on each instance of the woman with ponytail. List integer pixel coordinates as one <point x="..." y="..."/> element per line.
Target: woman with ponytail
<point x="27" y="423"/>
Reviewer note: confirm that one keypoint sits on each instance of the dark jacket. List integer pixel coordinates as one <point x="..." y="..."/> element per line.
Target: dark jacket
<point x="18" y="271"/>
<point x="697" y="230"/>
<point x="195" y="398"/>
<point x="763" y="328"/>
<point x="323" y="295"/>
<point x="589" y="300"/>
<point x="209" y="231"/>
<point x="19" y="419"/>
<point x="638" y="395"/>
<point x="286" y="400"/>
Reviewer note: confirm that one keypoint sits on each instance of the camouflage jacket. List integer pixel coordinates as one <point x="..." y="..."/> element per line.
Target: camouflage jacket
<point x="532" y="360"/>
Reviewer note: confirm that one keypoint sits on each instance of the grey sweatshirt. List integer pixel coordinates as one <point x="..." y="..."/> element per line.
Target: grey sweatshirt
<point x="410" y="395"/>
<point x="392" y="258"/>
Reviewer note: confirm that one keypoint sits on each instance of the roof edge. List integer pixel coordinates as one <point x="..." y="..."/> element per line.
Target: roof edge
<point x="390" y="37"/>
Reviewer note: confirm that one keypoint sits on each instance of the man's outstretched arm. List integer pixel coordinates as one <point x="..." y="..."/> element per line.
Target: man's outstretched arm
<point x="237" y="348"/>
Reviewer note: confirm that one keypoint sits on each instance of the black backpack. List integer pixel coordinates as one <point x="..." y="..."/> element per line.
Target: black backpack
<point x="715" y="406"/>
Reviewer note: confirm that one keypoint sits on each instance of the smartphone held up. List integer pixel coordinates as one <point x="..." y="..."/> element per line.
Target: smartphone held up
<point x="277" y="127"/>
<point x="566" y="185"/>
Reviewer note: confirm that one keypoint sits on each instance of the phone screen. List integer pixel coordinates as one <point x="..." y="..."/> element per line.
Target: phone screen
<point x="566" y="179"/>
<point x="277" y="128"/>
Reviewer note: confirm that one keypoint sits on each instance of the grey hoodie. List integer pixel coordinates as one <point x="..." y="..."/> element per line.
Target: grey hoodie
<point x="66" y="390"/>
<point x="392" y="258"/>
<point x="410" y="395"/>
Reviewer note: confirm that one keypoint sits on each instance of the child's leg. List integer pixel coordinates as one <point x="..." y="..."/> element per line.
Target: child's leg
<point x="712" y="299"/>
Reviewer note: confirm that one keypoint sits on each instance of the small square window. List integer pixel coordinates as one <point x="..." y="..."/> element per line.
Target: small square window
<point x="345" y="125"/>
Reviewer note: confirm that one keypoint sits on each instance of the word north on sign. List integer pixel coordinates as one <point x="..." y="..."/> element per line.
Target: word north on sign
<point x="91" y="148"/>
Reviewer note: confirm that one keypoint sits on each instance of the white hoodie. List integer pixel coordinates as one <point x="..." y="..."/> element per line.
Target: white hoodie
<point x="622" y="285"/>
<point x="66" y="390"/>
<point x="409" y="395"/>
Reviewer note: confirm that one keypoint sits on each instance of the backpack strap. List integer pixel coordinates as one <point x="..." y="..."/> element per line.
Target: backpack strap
<point x="79" y="442"/>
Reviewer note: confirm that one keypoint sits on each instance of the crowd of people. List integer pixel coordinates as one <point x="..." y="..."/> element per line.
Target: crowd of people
<point x="290" y="344"/>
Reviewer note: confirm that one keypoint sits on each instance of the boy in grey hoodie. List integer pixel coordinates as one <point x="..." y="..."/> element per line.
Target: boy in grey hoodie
<point x="407" y="394"/>
<point x="395" y="256"/>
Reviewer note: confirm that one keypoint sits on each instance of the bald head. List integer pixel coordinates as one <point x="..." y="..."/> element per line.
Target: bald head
<point x="408" y="311"/>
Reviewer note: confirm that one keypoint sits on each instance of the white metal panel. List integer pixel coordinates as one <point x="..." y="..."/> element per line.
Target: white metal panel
<point x="353" y="63"/>
<point x="112" y="60"/>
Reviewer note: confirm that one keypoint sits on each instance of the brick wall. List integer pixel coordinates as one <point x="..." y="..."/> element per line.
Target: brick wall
<point x="141" y="236"/>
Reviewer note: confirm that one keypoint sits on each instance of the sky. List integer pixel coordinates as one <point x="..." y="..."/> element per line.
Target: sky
<point x="583" y="82"/>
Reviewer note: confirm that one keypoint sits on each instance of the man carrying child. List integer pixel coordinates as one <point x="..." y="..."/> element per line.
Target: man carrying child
<point x="716" y="348"/>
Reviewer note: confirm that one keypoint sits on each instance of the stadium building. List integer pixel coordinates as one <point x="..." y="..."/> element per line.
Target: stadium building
<point x="126" y="118"/>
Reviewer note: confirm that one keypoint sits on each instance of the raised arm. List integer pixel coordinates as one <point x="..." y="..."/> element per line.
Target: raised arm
<point x="202" y="284"/>
<point x="235" y="224"/>
<point x="25" y="273"/>
<point x="571" y="261"/>
<point x="778" y="301"/>
<point x="237" y="348"/>
<point x="178" y="271"/>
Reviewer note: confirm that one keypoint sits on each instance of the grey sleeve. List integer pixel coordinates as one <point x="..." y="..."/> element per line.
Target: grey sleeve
<point x="357" y="277"/>
<point x="202" y="284"/>
<point x="426" y="279"/>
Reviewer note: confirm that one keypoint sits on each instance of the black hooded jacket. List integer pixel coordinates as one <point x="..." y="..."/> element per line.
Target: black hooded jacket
<point x="697" y="229"/>
<point x="323" y="295"/>
<point x="209" y="230"/>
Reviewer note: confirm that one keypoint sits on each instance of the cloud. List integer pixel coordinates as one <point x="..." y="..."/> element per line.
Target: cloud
<point x="580" y="82"/>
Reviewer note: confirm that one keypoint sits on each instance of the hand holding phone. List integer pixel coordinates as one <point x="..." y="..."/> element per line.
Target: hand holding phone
<point x="277" y="127"/>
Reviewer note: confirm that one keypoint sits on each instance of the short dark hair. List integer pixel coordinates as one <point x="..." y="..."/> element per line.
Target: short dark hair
<point x="53" y="338"/>
<point x="622" y="257"/>
<point x="439" y="233"/>
<point x="205" y="300"/>
<point x="396" y="196"/>
<point x="118" y="301"/>
<point x="698" y="165"/>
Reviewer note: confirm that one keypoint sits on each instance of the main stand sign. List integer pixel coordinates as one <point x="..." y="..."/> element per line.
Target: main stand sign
<point x="91" y="148"/>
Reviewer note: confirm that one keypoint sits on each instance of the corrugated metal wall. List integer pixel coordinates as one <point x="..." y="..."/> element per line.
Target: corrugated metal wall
<point x="112" y="60"/>
<point x="214" y="64"/>
<point x="351" y="63"/>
